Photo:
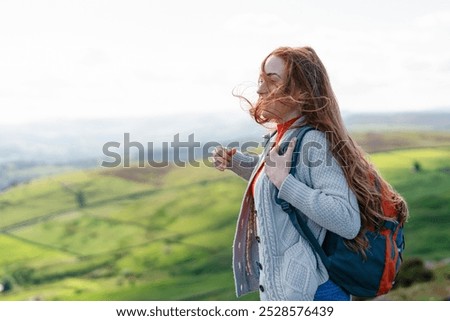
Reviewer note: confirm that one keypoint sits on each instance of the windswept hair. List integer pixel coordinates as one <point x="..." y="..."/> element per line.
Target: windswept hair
<point x="307" y="87"/>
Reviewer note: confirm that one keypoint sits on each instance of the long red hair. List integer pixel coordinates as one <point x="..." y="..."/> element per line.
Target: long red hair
<point x="307" y="87"/>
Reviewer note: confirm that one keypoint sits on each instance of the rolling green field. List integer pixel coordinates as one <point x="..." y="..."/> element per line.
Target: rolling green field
<point x="166" y="234"/>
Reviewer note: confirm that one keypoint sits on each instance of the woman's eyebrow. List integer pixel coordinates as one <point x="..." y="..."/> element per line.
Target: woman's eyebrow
<point x="273" y="74"/>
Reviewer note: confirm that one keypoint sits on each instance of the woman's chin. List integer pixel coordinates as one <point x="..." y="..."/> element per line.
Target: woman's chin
<point x="271" y="117"/>
<point x="267" y="114"/>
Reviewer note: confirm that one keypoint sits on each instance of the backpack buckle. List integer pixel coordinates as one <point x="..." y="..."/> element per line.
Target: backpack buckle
<point x="285" y="206"/>
<point x="390" y="225"/>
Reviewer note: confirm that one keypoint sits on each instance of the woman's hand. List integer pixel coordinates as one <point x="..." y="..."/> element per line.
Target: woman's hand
<point x="277" y="166"/>
<point x="222" y="157"/>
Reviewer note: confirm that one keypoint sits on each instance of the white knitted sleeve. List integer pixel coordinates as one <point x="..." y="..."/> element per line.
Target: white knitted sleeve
<point x="243" y="164"/>
<point x="327" y="199"/>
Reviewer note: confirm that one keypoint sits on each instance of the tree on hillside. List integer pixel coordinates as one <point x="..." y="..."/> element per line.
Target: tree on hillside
<point x="417" y="167"/>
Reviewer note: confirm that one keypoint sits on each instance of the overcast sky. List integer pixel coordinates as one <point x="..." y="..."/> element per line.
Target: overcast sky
<point x="87" y="59"/>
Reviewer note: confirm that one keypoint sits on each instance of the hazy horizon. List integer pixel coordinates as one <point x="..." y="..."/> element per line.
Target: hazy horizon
<point x="238" y="114"/>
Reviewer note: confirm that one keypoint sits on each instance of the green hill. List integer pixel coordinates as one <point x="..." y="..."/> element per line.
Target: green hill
<point x="166" y="233"/>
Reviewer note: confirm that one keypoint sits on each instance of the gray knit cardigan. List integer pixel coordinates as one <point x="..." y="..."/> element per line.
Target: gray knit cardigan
<point x="277" y="261"/>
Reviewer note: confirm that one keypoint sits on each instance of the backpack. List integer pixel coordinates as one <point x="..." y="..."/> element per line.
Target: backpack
<point x="360" y="276"/>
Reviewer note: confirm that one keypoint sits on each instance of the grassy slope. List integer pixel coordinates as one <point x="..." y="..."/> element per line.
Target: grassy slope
<point x="166" y="234"/>
<point x="394" y="139"/>
<point x="427" y="194"/>
<point x="150" y="237"/>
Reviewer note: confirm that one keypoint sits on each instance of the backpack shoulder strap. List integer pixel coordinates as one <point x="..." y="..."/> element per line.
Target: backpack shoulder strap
<point x="284" y="146"/>
<point x="294" y="215"/>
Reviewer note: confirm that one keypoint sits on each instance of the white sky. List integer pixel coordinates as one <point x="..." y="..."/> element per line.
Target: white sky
<point x="88" y="58"/>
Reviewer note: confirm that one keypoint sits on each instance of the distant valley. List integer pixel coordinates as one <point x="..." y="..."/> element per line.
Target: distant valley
<point x="41" y="149"/>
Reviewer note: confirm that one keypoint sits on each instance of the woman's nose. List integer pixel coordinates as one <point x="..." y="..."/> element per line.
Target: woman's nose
<point x="262" y="89"/>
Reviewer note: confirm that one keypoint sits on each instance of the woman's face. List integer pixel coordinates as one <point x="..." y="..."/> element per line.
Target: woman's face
<point x="274" y="69"/>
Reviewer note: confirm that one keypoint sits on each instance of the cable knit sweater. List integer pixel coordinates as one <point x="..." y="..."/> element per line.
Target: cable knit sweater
<point x="278" y="261"/>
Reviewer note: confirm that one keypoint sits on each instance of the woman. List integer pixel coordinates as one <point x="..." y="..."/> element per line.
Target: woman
<point x="333" y="186"/>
